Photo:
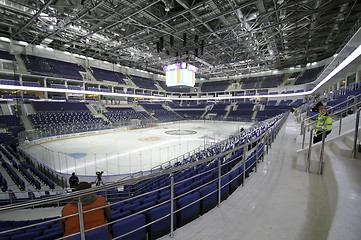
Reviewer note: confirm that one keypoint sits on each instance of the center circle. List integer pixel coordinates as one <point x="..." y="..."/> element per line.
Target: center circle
<point x="180" y="132"/>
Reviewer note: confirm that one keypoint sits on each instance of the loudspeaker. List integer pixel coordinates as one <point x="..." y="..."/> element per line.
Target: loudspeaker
<point x="158" y="50"/>
<point x="161" y="43"/>
<point x="184" y="39"/>
<point x="171" y="40"/>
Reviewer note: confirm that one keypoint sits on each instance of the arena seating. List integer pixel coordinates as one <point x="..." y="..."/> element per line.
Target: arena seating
<point x="294" y="75"/>
<point x="63" y="116"/>
<point x="309" y="75"/>
<point x="157" y="111"/>
<point x="219" y="86"/>
<point x="53" y="68"/>
<point x="148" y="201"/>
<point x="106" y="75"/>
<point x="124" y="114"/>
<point x="144" y="82"/>
<point x="31" y="84"/>
<point x="9" y="82"/>
<point x="219" y="109"/>
<point x="271" y="111"/>
<point x="243" y="112"/>
<point x="12" y="125"/>
<point x="7" y="56"/>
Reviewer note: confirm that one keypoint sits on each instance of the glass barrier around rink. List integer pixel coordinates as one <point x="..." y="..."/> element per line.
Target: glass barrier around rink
<point x="147" y="159"/>
<point x="38" y="133"/>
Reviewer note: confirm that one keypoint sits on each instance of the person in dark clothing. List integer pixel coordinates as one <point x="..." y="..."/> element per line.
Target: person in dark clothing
<point x="316" y="107"/>
<point x="73" y="180"/>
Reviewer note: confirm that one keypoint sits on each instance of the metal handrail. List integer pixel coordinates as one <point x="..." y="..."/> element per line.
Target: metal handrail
<point x="346" y="101"/>
<point x="303" y="128"/>
<point x="354" y="148"/>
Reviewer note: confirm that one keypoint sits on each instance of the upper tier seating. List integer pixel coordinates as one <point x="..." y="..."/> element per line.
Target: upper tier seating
<point x="53" y="68"/>
<point x="31" y="84"/>
<point x="262" y="82"/>
<point x="106" y="75"/>
<point x="59" y="106"/>
<point x="9" y="82"/>
<point x="219" y="86"/>
<point x="294" y="75"/>
<point x="7" y="56"/>
<point x="309" y="75"/>
<point x="144" y="82"/>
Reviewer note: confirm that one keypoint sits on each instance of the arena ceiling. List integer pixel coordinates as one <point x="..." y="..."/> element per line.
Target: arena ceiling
<point x="220" y="37"/>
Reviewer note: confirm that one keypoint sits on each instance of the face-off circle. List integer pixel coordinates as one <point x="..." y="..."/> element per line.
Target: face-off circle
<point x="180" y="132"/>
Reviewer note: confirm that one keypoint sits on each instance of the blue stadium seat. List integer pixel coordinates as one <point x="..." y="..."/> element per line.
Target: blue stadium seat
<point x="233" y="179"/>
<point x="144" y="206"/>
<point x="22" y="236"/>
<point x="97" y="234"/>
<point x="184" y="190"/>
<point x="209" y="197"/>
<point x="117" y="216"/>
<point x="50" y="236"/>
<point x="225" y="187"/>
<point x="196" y="184"/>
<point x="130" y="224"/>
<point x="191" y="212"/>
<point x="160" y="227"/>
<point x="240" y="178"/>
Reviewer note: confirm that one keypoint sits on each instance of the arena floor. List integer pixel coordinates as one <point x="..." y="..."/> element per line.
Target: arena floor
<point x="130" y="151"/>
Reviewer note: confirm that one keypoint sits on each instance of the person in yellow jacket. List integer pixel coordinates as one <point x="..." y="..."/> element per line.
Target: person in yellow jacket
<point x="324" y="124"/>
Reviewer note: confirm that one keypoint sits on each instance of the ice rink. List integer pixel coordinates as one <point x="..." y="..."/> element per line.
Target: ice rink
<point x="132" y="150"/>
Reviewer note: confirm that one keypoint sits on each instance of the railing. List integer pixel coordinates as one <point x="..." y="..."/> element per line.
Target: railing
<point x="76" y="128"/>
<point x="342" y="111"/>
<point x="261" y="144"/>
<point x="146" y="159"/>
<point x="354" y="148"/>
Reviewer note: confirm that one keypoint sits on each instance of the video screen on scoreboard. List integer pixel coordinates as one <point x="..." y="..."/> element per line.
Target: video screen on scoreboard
<point x="180" y="75"/>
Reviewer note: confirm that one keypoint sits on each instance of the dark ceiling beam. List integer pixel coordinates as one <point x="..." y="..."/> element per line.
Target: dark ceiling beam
<point x="33" y="18"/>
<point x="83" y="14"/>
<point x="117" y="22"/>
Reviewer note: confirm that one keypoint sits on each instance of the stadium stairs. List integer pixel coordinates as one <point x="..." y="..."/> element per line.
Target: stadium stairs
<point x="341" y="175"/>
<point x="20" y="64"/>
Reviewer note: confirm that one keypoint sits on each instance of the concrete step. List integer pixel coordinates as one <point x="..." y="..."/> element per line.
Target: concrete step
<point x="340" y="148"/>
<point x="301" y="162"/>
<point x="26" y="122"/>
<point x="349" y="141"/>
